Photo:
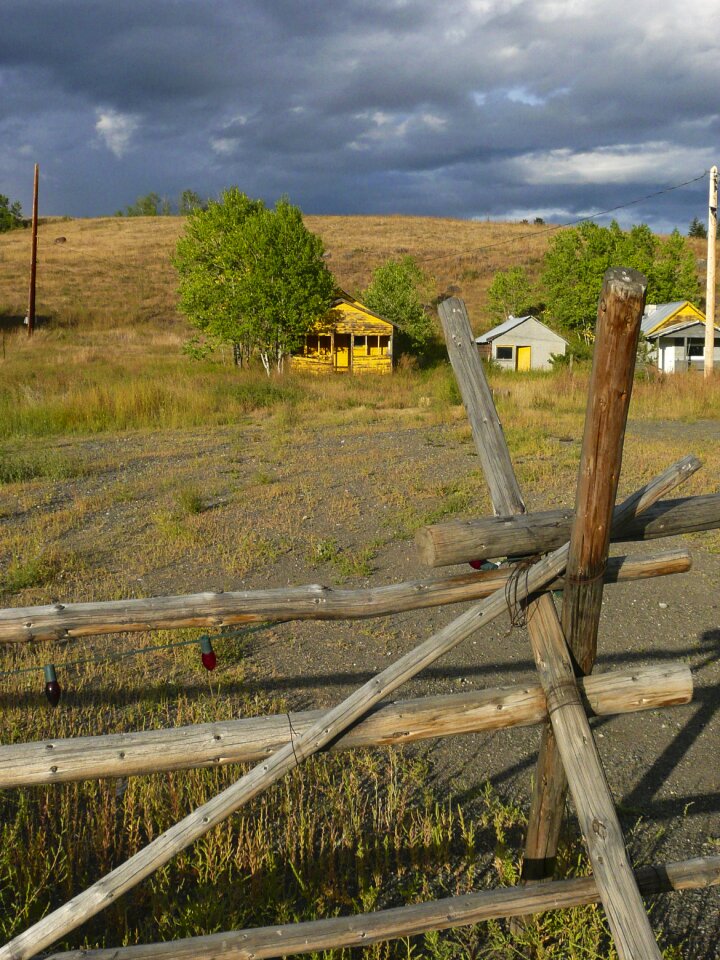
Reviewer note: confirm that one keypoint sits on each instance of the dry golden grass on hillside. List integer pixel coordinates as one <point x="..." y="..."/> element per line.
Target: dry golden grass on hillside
<point x="461" y="256"/>
<point x="116" y="271"/>
<point x="109" y="272"/>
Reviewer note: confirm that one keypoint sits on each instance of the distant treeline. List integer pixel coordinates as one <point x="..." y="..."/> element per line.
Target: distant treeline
<point x="153" y="205"/>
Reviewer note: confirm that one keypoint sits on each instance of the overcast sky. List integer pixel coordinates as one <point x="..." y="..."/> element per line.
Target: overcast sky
<point x="499" y="109"/>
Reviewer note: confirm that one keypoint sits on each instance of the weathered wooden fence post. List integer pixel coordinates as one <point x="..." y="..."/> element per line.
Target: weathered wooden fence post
<point x="602" y="450"/>
<point x="620" y="309"/>
<point x="624" y="908"/>
<point x="485" y="424"/>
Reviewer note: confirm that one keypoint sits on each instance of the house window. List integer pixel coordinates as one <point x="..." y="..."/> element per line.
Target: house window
<point x="696" y="347"/>
<point x="324" y="346"/>
<point x="503" y="353"/>
<point x="360" y="347"/>
<point x="311" y="345"/>
<point x="377" y="345"/>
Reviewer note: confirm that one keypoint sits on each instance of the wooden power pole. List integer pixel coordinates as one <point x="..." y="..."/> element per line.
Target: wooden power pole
<point x="33" y="256"/>
<point x="710" y="288"/>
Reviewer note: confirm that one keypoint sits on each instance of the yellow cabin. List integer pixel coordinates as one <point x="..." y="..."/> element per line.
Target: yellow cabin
<point x="350" y="338"/>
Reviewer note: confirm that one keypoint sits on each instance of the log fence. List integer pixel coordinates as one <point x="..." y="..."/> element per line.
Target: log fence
<point x="573" y="559"/>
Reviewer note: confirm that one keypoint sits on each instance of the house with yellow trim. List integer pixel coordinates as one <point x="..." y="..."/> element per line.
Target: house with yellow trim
<point x="522" y="343"/>
<point x="349" y="338"/>
<point x="676" y="335"/>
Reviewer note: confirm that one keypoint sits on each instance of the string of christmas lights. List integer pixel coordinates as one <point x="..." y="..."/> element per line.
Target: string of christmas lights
<point x="208" y="658"/>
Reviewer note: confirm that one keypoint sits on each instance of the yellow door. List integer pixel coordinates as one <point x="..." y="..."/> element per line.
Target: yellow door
<point x="342" y="351"/>
<point x="523" y="358"/>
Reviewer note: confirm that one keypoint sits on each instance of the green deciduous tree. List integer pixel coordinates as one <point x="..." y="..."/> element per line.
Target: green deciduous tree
<point x="509" y="294"/>
<point x="674" y="274"/>
<point x="189" y="201"/>
<point x="397" y="293"/>
<point x="10" y="214"/>
<point x="151" y="205"/>
<point x="252" y="275"/>
<point x="578" y="258"/>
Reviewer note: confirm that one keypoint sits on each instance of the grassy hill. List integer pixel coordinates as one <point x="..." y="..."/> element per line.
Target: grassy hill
<point x="115" y="271"/>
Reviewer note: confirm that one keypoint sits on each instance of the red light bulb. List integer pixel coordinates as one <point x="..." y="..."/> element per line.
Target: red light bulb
<point x="53" y="691"/>
<point x="207" y="655"/>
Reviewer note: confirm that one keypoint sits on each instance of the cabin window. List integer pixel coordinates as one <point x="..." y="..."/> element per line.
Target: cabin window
<point x="696" y="347"/>
<point x="360" y="348"/>
<point x="378" y="346"/>
<point x="503" y="353"/>
<point x="324" y="345"/>
<point x="311" y="345"/>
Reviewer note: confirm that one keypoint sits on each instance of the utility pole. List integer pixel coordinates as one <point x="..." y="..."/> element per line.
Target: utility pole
<point x="710" y="288"/>
<point x="33" y="256"/>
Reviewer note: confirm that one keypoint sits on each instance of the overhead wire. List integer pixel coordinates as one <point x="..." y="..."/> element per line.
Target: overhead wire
<point x="550" y="228"/>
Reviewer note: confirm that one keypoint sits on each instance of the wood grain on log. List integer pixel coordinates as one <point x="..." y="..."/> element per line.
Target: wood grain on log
<point x="313" y="602"/>
<point x="485" y="424"/>
<point x="252" y="739"/>
<point x="620" y="310"/>
<point x="628" y="920"/>
<point x="459" y="541"/>
<point x="360" y="930"/>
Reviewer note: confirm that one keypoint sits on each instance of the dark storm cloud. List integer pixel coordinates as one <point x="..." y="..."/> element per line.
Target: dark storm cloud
<point x="498" y="108"/>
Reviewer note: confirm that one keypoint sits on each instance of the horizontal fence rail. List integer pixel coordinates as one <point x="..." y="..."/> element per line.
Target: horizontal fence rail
<point x="363" y="929"/>
<point x="458" y="541"/>
<point x="313" y="602"/>
<point x="252" y="739"/>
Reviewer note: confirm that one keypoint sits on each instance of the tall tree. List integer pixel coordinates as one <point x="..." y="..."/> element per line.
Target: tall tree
<point x="674" y="275"/>
<point x="509" y="294"/>
<point x="10" y="214"/>
<point x="189" y="201"/>
<point x="577" y="259"/>
<point x="147" y="206"/>
<point x="252" y="275"/>
<point x="697" y="229"/>
<point x="396" y="292"/>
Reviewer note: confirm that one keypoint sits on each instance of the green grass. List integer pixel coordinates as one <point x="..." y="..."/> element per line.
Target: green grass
<point x="344" y="834"/>
<point x="37" y="566"/>
<point x="189" y="501"/>
<point x="41" y="464"/>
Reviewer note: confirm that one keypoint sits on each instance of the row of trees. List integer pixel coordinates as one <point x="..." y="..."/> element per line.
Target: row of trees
<point x="153" y="205"/>
<point x="573" y="267"/>
<point x="255" y="277"/>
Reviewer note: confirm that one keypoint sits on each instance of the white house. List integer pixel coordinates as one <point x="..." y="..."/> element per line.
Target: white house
<point x="676" y="335"/>
<point x="521" y="343"/>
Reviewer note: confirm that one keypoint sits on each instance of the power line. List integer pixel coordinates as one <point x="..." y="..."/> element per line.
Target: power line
<point x="569" y="223"/>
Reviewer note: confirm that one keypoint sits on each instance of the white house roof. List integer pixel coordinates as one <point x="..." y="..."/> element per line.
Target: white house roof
<point x="509" y="325"/>
<point x="655" y="314"/>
